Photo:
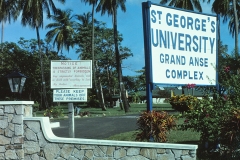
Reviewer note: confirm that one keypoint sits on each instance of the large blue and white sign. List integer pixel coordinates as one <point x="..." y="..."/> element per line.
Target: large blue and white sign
<point x="183" y="46"/>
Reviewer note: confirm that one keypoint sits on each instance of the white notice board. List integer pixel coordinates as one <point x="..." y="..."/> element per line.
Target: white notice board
<point x="70" y="95"/>
<point x="71" y="74"/>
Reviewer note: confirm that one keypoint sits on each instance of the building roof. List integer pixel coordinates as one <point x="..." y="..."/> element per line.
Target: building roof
<point x="157" y="93"/>
<point x="185" y="91"/>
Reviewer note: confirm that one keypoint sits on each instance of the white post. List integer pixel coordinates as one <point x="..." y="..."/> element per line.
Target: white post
<point x="71" y="126"/>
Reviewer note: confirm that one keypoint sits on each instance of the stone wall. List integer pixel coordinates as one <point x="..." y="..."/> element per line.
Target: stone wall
<point x="31" y="138"/>
<point x="11" y="129"/>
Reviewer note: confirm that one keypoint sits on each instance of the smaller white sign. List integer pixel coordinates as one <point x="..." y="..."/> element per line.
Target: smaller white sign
<point x="71" y="74"/>
<point x="70" y="95"/>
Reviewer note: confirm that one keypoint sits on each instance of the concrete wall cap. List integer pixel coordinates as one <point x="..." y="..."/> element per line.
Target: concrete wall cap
<point x="15" y="102"/>
<point x="49" y="135"/>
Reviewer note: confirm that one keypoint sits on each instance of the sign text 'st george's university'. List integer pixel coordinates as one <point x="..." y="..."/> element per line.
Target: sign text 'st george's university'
<point x="182" y="46"/>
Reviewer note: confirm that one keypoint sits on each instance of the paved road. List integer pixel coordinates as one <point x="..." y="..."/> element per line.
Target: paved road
<point x="98" y="128"/>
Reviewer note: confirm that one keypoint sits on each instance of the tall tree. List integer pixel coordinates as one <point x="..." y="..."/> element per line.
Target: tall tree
<point x="185" y="4"/>
<point x="9" y="10"/>
<point x="97" y="80"/>
<point x="84" y="29"/>
<point x="110" y="7"/>
<point x="62" y="30"/>
<point x="105" y="56"/>
<point x="82" y="38"/>
<point x="229" y="10"/>
<point x="32" y="14"/>
<point x="93" y="3"/>
<point x="236" y="21"/>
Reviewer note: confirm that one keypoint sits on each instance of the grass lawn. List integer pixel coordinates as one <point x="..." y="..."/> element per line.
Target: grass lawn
<point x="96" y="112"/>
<point x="174" y="136"/>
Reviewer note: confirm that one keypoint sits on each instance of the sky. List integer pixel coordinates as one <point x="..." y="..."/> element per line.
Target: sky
<point x="129" y="25"/>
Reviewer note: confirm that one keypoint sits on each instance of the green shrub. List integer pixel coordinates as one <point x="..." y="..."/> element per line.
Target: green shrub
<point x="155" y="125"/>
<point x="183" y="102"/>
<point x="93" y="102"/>
<point x="166" y="100"/>
<point x="35" y="107"/>
<point x="230" y="132"/>
<point x="54" y="112"/>
<point x="217" y="119"/>
<point x="203" y="118"/>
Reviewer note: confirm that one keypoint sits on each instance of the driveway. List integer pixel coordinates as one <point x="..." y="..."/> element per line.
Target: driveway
<point x="98" y="128"/>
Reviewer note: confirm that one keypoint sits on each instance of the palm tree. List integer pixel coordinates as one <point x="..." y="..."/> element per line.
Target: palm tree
<point x="9" y="10"/>
<point x="185" y="4"/>
<point x="236" y="21"/>
<point x="32" y="15"/>
<point x="84" y="30"/>
<point x="110" y="6"/>
<point x="93" y="3"/>
<point x="94" y="64"/>
<point x="228" y="10"/>
<point x="82" y="27"/>
<point x="62" y="30"/>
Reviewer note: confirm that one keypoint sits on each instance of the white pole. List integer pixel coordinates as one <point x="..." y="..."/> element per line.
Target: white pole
<point x="71" y="126"/>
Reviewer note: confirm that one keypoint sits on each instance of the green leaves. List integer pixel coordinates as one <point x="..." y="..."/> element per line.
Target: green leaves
<point x="204" y="118"/>
<point x="54" y="112"/>
<point x="155" y="125"/>
<point x="24" y="56"/>
<point x="183" y="102"/>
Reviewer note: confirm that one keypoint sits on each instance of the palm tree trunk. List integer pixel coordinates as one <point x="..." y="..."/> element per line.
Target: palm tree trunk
<point x="123" y="98"/>
<point x="236" y="27"/>
<point x="110" y="88"/>
<point x="101" y="95"/>
<point x="94" y="68"/>
<point x="93" y="58"/>
<point x="41" y="67"/>
<point x="2" y="32"/>
<point x="100" y="91"/>
<point x="2" y="41"/>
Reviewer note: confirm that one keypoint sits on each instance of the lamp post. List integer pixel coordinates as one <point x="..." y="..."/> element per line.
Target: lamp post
<point x="16" y="81"/>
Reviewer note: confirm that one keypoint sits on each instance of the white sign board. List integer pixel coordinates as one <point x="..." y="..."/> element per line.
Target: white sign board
<point x="183" y="46"/>
<point x="70" y="95"/>
<point x="71" y="74"/>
